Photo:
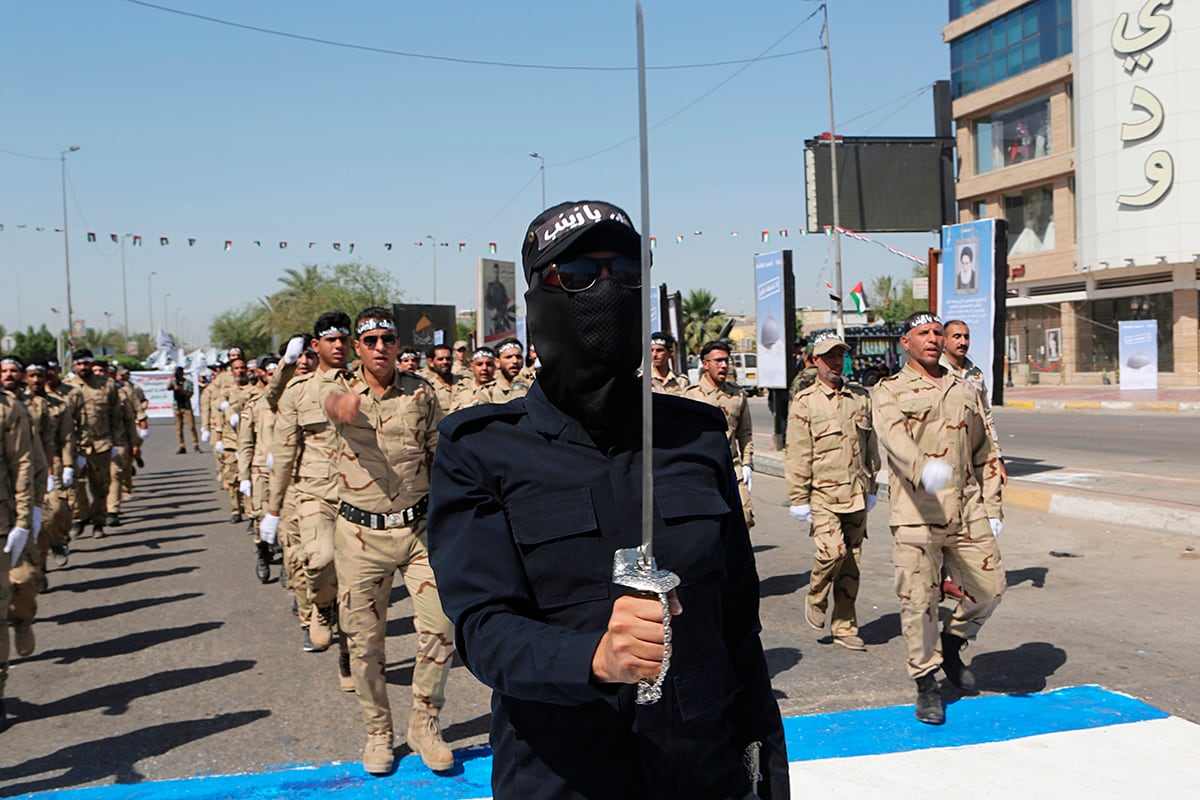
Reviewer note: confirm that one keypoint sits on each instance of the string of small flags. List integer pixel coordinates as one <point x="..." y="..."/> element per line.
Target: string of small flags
<point x="348" y="247"/>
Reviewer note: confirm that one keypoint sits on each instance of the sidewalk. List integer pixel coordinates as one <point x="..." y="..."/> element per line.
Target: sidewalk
<point x="1185" y="400"/>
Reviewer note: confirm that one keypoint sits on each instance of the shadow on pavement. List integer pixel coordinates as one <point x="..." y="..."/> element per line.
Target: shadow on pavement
<point x="1020" y="671"/>
<point x="115" y="698"/>
<point x="781" y="659"/>
<point x="781" y="585"/>
<point x="152" y="544"/>
<point x="116" y="609"/>
<point x="122" y="580"/>
<point x="1035" y="575"/>
<point x="1020" y="467"/>
<point x="130" y="561"/>
<point x="123" y="645"/>
<point x="401" y="626"/>
<point x="881" y="630"/>
<point x="116" y="757"/>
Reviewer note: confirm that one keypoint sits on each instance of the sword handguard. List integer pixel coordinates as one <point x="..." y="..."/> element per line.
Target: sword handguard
<point x="632" y="569"/>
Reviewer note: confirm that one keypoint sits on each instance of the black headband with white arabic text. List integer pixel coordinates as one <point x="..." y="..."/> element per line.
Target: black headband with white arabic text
<point x="921" y="319"/>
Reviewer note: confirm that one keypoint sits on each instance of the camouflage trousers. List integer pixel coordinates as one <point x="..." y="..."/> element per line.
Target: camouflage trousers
<point x="92" y="480"/>
<point x="260" y="480"/>
<point x="229" y="479"/>
<point x="23" y="581"/>
<point x="120" y="468"/>
<point x="972" y="558"/>
<point x="293" y="555"/>
<point x="367" y="561"/>
<point x="838" y="540"/>
<point x="316" y="543"/>
<point x="6" y="596"/>
<point x="56" y="519"/>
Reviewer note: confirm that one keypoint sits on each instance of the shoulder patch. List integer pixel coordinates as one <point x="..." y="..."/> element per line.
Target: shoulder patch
<point x="474" y="418"/>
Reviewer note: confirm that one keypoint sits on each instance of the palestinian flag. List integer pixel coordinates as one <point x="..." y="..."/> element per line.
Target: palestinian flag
<point x="283" y="245"/>
<point x="679" y="238"/>
<point x="228" y="245"/>
<point x="766" y="236"/>
<point x="91" y="236"/>
<point x="859" y="299"/>
<point x="137" y="241"/>
<point x="462" y="246"/>
<point x="783" y="233"/>
<point x="337" y="245"/>
<point x="114" y="238"/>
<point x="653" y="241"/>
<point x="492" y="248"/>
<point x="163" y="241"/>
<point x="352" y="247"/>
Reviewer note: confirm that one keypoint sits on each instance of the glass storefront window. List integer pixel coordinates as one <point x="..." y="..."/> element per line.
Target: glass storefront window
<point x="1013" y="136"/>
<point x="1030" y="216"/>
<point x="1096" y="322"/>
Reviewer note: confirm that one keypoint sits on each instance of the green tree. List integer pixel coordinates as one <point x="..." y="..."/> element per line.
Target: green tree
<point x="33" y="344"/>
<point x="893" y="300"/>
<point x="311" y="290"/>
<point x="702" y="321"/>
<point x="241" y="327"/>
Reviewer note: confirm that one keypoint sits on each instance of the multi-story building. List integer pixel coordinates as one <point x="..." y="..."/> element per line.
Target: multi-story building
<point x="1079" y="123"/>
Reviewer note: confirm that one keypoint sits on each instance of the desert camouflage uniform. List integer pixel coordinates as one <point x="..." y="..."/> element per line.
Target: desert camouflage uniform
<point x="305" y="449"/>
<point x="499" y="390"/>
<point x="527" y="376"/>
<point x="831" y="461"/>
<point x="23" y="575"/>
<point x="16" y="502"/>
<point x="804" y="379"/>
<point x="444" y="391"/>
<point x="120" y="468"/>
<point x="99" y="427"/>
<point x="674" y="383"/>
<point x="466" y="394"/>
<point x="383" y="468"/>
<point x="60" y="450"/>
<point x="918" y="420"/>
<point x="731" y="399"/>
<point x="234" y="397"/>
<point x="973" y="375"/>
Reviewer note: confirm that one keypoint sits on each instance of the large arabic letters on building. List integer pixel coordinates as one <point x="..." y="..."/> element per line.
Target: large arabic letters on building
<point x="1159" y="167"/>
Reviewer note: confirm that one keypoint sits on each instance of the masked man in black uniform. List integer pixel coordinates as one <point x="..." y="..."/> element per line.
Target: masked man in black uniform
<point x="530" y="500"/>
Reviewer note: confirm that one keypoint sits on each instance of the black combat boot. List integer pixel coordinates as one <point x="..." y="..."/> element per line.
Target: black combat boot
<point x="956" y="671"/>
<point x="77" y="531"/>
<point x="236" y="519"/>
<point x="113" y="521"/>
<point x="98" y="531"/>
<point x="929" y="700"/>
<point x="262" y="566"/>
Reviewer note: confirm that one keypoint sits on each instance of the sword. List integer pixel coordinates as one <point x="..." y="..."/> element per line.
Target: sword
<point x="635" y="567"/>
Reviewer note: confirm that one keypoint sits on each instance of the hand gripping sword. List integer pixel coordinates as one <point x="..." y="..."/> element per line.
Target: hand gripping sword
<point x="635" y="566"/>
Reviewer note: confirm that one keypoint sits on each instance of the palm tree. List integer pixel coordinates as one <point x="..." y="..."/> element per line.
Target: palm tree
<point x="702" y="322"/>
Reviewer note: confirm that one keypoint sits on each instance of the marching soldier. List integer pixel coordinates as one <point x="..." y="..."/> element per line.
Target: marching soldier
<point x="305" y="445"/>
<point x="409" y="359"/>
<point x="832" y="459"/>
<point x="483" y="370"/>
<point x="462" y="359"/>
<point x="100" y="429"/>
<point x="662" y="356"/>
<point x="16" y="514"/>
<point x="387" y="419"/>
<point x="945" y="496"/>
<point x="226" y="414"/>
<point x="507" y="384"/>
<point x="60" y="453"/>
<point x="807" y="374"/>
<point x="714" y="389"/>
<point x="529" y="372"/>
<point x="955" y="359"/>
<point x="440" y="374"/>
<point x="120" y="484"/>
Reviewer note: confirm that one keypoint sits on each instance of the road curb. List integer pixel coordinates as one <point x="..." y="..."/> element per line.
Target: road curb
<point x="1144" y="406"/>
<point x="1162" y="515"/>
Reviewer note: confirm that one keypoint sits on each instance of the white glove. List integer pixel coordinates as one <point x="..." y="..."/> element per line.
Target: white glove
<point x="219" y="446"/>
<point x="80" y="462"/>
<point x="68" y="476"/>
<point x="295" y="347"/>
<point x="37" y="518"/>
<point x="115" y="452"/>
<point x="801" y="513"/>
<point x="997" y="526"/>
<point x="748" y="478"/>
<point x="936" y="475"/>
<point x="205" y="435"/>
<point x="16" y="544"/>
<point x="871" y="501"/>
<point x="51" y="484"/>
<point x="144" y="433"/>
<point x="268" y="529"/>
<point x="244" y="487"/>
<point x="234" y="419"/>
<point x="224" y="405"/>
<point x="270" y="461"/>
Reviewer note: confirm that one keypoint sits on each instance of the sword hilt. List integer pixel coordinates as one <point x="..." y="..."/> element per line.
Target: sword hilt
<point x="631" y="568"/>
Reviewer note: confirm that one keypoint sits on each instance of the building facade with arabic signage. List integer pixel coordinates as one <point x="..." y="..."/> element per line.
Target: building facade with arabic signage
<point x="1079" y="123"/>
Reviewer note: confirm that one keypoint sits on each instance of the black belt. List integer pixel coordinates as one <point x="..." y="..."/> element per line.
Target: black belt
<point x="381" y="522"/>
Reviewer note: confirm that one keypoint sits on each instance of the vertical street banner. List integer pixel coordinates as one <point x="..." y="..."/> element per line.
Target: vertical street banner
<point x="971" y="287"/>
<point x="497" y="307"/>
<point x="655" y="309"/>
<point x="522" y="331"/>
<point x="1138" y="353"/>
<point x="774" y="306"/>
<point x="154" y="384"/>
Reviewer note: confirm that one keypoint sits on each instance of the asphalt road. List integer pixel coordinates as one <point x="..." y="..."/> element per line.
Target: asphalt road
<point x="161" y="656"/>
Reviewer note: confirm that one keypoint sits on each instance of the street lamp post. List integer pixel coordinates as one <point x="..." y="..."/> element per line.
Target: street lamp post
<point x="150" y="302"/>
<point x="433" y="241"/>
<point x="58" y="350"/>
<point x="166" y="318"/>
<point x="107" y="323"/>
<point x="66" y="237"/>
<point x="124" y="295"/>
<point x="542" y="169"/>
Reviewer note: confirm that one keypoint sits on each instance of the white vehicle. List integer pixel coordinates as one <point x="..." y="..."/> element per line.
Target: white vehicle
<point x="743" y="371"/>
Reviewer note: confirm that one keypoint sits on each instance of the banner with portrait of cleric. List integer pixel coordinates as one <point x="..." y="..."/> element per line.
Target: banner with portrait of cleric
<point x="497" y="293"/>
<point x="773" y="306"/>
<point x="971" y="287"/>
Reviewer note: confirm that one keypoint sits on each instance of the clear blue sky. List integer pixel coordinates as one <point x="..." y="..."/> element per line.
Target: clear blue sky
<point x="193" y="129"/>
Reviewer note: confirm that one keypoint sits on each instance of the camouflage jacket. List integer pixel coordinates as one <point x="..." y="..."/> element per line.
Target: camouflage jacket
<point x="731" y="399"/>
<point x="16" y="453"/>
<point x="832" y="454"/>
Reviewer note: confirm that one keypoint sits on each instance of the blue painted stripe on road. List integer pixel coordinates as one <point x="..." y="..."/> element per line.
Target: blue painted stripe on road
<point x="972" y="721"/>
<point x="979" y="720"/>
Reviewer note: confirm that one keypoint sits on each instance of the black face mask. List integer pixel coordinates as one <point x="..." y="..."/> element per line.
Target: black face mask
<point x="589" y="344"/>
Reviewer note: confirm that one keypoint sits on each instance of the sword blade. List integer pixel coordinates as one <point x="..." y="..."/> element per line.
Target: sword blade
<point x="647" y="364"/>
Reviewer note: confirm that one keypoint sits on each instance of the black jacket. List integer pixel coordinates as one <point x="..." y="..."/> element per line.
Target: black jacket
<point x="525" y="516"/>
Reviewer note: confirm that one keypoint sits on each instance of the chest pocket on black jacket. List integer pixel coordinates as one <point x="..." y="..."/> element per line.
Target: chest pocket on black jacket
<point x="559" y="540"/>
<point x="689" y="542"/>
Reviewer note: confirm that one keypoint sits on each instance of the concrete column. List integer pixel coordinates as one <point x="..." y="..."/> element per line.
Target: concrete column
<point x="1069" y="350"/>
<point x="1187" y="336"/>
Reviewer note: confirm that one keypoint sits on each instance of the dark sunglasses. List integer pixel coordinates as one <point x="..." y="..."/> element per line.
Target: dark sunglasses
<point x="388" y="340"/>
<point x="581" y="274"/>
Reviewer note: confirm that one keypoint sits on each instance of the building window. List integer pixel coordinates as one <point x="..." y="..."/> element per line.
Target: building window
<point x="1020" y="40"/>
<point x="1096" y="323"/>
<point x="1030" y="216"/>
<point x="980" y="209"/>
<point x="960" y="8"/>
<point x="1012" y="136"/>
